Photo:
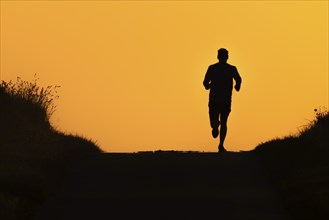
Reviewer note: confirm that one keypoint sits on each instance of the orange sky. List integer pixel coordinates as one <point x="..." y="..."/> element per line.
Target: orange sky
<point x="131" y="72"/>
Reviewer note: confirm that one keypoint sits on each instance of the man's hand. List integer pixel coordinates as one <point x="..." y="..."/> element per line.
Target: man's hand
<point x="237" y="87"/>
<point x="207" y="86"/>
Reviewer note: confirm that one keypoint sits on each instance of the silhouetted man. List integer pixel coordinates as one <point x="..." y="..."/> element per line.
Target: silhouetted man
<point x="219" y="79"/>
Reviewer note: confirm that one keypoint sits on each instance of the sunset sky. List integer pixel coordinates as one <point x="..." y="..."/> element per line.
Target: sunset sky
<point x="131" y="72"/>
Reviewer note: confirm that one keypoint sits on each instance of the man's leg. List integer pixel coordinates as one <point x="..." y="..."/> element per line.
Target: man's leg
<point x="223" y="129"/>
<point x="214" y="118"/>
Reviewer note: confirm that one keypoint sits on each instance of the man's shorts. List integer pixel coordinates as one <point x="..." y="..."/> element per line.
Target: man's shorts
<point x="219" y="107"/>
<point x="218" y="111"/>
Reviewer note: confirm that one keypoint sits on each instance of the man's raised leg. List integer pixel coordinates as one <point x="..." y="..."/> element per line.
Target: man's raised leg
<point x="214" y="119"/>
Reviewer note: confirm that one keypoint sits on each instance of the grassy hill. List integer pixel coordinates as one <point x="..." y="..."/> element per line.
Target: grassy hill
<point x="299" y="168"/>
<point x="33" y="155"/>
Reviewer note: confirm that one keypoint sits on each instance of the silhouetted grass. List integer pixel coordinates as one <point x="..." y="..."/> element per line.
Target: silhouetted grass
<point x="299" y="168"/>
<point x="33" y="155"/>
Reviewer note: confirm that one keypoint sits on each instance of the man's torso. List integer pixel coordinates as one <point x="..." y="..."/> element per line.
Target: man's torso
<point x="221" y="76"/>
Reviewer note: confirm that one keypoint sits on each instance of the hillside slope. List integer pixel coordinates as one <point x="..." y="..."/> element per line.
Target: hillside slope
<point x="33" y="155"/>
<point x="299" y="167"/>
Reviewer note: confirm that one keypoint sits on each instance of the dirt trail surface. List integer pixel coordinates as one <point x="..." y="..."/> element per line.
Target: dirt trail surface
<point x="165" y="186"/>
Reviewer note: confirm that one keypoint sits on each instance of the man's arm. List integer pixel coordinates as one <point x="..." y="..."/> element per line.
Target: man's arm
<point x="237" y="79"/>
<point x="207" y="80"/>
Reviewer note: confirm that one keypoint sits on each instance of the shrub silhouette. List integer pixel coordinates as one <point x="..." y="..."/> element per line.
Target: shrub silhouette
<point x="33" y="155"/>
<point x="37" y="103"/>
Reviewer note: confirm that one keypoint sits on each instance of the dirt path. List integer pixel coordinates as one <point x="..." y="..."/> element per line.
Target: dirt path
<point x="166" y="186"/>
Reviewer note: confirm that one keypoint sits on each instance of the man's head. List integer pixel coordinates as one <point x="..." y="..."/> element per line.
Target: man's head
<point x="222" y="55"/>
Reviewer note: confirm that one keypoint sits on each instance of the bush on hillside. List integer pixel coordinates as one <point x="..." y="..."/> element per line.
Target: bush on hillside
<point x="312" y="136"/>
<point x="317" y="132"/>
<point x="25" y="112"/>
<point x="27" y="101"/>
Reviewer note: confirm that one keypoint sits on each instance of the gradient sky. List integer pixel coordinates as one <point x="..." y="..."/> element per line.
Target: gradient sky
<point x="131" y="72"/>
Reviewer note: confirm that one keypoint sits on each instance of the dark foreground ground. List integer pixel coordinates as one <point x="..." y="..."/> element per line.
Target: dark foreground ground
<point x="166" y="186"/>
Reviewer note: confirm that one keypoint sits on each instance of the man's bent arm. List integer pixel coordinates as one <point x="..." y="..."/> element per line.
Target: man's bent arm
<point x="237" y="79"/>
<point x="206" y="81"/>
